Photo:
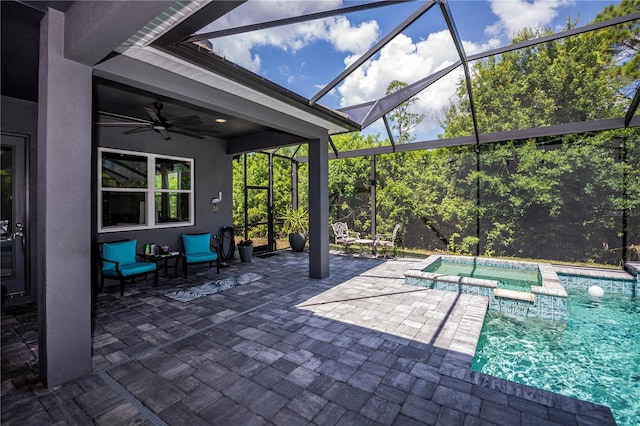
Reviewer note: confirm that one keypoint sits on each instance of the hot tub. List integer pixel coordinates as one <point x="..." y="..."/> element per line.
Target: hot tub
<point x="545" y="298"/>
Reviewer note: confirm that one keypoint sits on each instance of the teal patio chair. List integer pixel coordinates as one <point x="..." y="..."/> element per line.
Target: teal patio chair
<point x="118" y="261"/>
<point x="198" y="249"/>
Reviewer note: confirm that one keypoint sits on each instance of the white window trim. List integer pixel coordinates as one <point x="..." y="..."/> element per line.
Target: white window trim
<point x="150" y="192"/>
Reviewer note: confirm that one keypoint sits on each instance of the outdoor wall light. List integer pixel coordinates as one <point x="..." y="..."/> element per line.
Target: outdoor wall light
<point x="214" y="202"/>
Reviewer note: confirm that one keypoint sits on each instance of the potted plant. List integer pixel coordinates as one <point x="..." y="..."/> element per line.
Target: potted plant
<point x="296" y="222"/>
<point x="245" y="249"/>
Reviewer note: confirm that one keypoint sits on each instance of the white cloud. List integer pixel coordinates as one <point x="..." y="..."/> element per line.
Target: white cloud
<point x="347" y="38"/>
<point x="336" y="30"/>
<point x="239" y="51"/>
<point x="408" y="62"/>
<point x="403" y="60"/>
<point x="515" y="15"/>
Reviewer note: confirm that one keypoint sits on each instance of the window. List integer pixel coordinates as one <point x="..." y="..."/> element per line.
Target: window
<point x="139" y="190"/>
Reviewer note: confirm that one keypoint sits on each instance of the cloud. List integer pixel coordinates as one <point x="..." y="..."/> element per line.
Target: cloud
<point x="408" y="61"/>
<point x="336" y="30"/>
<point x="515" y="15"/>
<point x="352" y="39"/>
<point x="405" y="61"/>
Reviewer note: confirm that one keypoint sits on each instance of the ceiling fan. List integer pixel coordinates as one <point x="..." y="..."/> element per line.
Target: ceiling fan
<point x="157" y="122"/>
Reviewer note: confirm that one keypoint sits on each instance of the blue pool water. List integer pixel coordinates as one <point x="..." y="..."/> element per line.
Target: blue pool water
<point x="594" y="356"/>
<point x="508" y="278"/>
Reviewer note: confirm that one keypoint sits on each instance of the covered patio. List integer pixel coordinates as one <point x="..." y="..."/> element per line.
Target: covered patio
<point x="357" y="347"/>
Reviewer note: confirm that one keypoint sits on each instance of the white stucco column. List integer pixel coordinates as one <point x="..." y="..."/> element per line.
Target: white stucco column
<point x="319" y="207"/>
<point x="63" y="209"/>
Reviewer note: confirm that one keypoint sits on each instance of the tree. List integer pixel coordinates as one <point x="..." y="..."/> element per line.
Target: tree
<point x="402" y="119"/>
<point x="554" y="195"/>
<point x="623" y="41"/>
<point x="349" y="182"/>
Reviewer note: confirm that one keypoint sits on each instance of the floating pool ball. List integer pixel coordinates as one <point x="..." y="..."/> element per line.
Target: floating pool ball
<point x="596" y="291"/>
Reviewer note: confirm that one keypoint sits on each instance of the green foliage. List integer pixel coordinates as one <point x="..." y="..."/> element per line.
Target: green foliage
<point x="349" y="179"/>
<point x="295" y="221"/>
<point x="561" y="198"/>
<point x="402" y="119"/>
<point x="623" y="41"/>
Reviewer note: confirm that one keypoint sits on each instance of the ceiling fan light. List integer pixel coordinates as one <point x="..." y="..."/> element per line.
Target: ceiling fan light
<point x="221" y="120"/>
<point x="158" y="127"/>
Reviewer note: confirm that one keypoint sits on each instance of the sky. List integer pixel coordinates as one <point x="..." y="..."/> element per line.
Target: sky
<point x="306" y="57"/>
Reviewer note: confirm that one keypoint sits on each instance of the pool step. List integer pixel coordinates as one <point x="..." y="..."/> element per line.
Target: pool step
<point x="512" y="294"/>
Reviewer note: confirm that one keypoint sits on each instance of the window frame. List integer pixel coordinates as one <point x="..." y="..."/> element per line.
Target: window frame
<point x="150" y="192"/>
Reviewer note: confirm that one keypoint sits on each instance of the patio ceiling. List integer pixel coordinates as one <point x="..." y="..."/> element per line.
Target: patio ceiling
<point x="128" y="101"/>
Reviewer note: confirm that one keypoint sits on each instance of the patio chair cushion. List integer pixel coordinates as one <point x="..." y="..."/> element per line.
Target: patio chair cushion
<point x="130" y="269"/>
<point x="123" y="252"/>
<point x="201" y="257"/>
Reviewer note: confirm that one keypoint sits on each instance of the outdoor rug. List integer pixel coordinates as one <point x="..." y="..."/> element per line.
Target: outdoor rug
<point x="212" y="287"/>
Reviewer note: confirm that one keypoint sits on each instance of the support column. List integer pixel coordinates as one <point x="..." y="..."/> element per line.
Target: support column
<point x="319" y="207"/>
<point x="64" y="209"/>
<point x="372" y="183"/>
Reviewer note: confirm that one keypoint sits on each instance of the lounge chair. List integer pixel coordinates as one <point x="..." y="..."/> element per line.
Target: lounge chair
<point x="342" y="237"/>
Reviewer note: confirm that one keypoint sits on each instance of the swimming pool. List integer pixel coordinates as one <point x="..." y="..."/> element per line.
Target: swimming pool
<point x="594" y="356"/>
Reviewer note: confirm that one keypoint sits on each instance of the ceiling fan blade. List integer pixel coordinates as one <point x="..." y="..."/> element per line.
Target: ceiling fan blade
<point x="186" y="132"/>
<point x="139" y="129"/>
<point x="164" y="133"/>
<point x="152" y="114"/>
<point x="183" y="119"/>
<point x="119" y="124"/>
<point x="122" y="117"/>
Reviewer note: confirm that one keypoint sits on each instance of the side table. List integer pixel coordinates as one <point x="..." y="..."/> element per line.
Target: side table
<point x="366" y="242"/>
<point x="163" y="260"/>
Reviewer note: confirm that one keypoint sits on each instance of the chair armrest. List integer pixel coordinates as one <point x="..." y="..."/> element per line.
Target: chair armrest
<point x="103" y="260"/>
<point x="111" y="261"/>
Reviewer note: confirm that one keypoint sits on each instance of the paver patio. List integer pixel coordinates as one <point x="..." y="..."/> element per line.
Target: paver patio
<point x="359" y="347"/>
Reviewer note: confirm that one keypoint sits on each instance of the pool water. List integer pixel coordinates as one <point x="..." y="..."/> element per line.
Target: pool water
<point x="594" y="356"/>
<point x="508" y="278"/>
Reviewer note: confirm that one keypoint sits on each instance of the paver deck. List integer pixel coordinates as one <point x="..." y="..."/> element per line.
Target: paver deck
<point x="359" y="347"/>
